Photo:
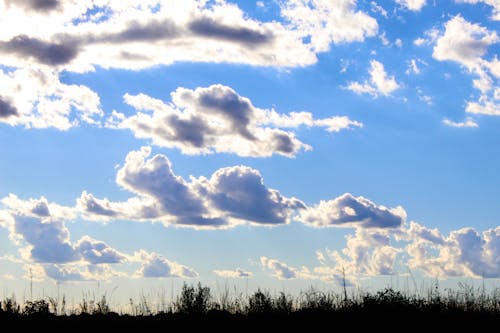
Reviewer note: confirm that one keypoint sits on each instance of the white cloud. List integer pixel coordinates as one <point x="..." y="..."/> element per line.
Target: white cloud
<point x="467" y="123"/>
<point x="413" y="67"/>
<point x="380" y="82"/>
<point x="237" y="273"/>
<point x="350" y="211"/>
<point x="41" y="225"/>
<point x="484" y="107"/>
<point x="414" y="5"/>
<point x="327" y="21"/>
<point x="155" y="265"/>
<point x="467" y="44"/>
<point x="376" y="8"/>
<point x="34" y="97"/>
<point x="464" y="43"/>
<point x="493" y="3"/>
<point x="137" y="34"/>
<point x="41" y="39"/>
<point x="284" y="272"/>
<point x="232" y="195"/>
<point x="464" y="252"/>
<point x="218" y="119"/>
<point x="368" y="253"/>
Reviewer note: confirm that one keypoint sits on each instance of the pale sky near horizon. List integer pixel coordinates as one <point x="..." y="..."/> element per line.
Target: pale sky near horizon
<point x="274" y="144"/>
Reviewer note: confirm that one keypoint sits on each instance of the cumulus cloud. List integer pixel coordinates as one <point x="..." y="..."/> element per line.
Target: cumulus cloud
<point x="467" y="44"/>
<point x="78" y="273"/>
<point x="137" y="34"/>
<point x="230" y="196"/>
<point x="39" y="39"/>
<point x="155" y="265"/>
<point x="414" y="5"/>
<point x="218" y="119"/>
<point x="97" y="252"/>
<point x="327" y="22"/>
<point x="34" y="97"/>
<point x="380" y="83"/>
<point x="367" y="252"/>
<point x="350" y="211"/>
<point x="41" y="225"/>
<point x="284" y="272"/>
<point x="7" y="109"/>
<point x="464" y="252"/>
<point x="237" y="273"/>
<point x="35" y="5"/>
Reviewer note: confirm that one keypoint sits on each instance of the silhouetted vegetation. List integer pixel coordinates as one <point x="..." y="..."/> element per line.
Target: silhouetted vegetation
<point x="197" y="305"/>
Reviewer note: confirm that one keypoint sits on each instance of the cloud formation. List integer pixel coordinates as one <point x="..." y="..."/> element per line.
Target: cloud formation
<point x="237" y="273"/>
<point x="218" y="119"/>
<point x="467" y="44"/>
<point x="34" y="97"/>
<point x="380" y="83"/>
<point x="464" y="252"/>
<point x="350" y="211"/>
<point x="230" y="196"/>
<point x="138" y="34"/>
<point x="414" y="5"/>
<point x="155" y="265"/>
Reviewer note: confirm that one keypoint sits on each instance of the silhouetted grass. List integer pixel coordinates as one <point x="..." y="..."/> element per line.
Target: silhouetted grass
<point x="197" y="305"/>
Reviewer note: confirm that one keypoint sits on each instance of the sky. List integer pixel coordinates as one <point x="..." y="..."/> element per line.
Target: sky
<point x="274" y="144"/>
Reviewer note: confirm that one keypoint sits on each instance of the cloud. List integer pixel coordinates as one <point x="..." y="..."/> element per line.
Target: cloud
<point x="35" y="5"/>
<point x="350" y="211"/>
<point x="464" y="252"/>
<point x="237" y="273"/>
<point x="464" y="42"/>
<point x="98" y="252"/>
<point x="138" y="34"/>
<point x="467" y="44"/>
<point x="414" y="5"/>
<point x="157" y="266"/>
<point x="379" y="84"/>
<point x="7" y="109"/>
<point x="284" y="272"/>
<point x="240" y="191"/>
<point x="467" y="123"/>
<point x="218" y="119"/>
<point x="42" y="226"/>
<point x="230" y="196"/>
<point x="368" y="252"/>
<point x="78" y="273"/>
<point x="37" y="99"/>
<point x="48" y="239"/>
<point x="327" y="22"/>
<point x="46" y="53"/>
<point x="493" y="3"/>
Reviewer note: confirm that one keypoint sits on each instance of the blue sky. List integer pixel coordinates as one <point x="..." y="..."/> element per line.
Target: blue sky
<point x="268" y="143"/>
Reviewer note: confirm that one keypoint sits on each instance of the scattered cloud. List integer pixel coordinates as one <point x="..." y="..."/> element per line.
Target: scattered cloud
<point x="237" y="273"/>
<point x="493" y="3"/>
<point x="218" y="119"/>
<point x="380" y="83"/>
<point x="155" y="265"/>
<point x="413" y="5"/>
<point x="350" y="211"/>
<point x="327" y="22"/>
<point x="467" y="44"/>
<point x="284" y="272"/>
<point x="231" y="196"/>
<point x="467" y="123"/>
<point x="464" y="252"/>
